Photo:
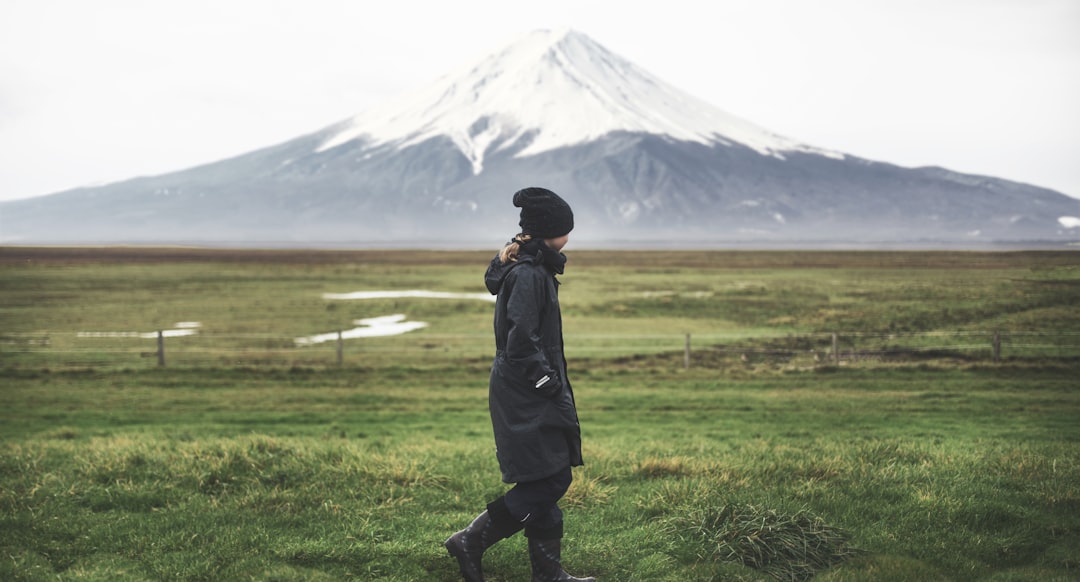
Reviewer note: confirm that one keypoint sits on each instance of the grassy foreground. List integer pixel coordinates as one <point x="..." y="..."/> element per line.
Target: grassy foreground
<point x="356" y="474"/>
<point x="937" y="469"/>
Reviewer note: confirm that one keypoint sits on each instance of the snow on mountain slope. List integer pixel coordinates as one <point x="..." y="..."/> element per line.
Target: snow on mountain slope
<point x="553" y="89"/>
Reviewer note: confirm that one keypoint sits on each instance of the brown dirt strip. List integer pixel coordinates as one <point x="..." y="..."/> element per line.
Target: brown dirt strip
<point x="711" y="259"/>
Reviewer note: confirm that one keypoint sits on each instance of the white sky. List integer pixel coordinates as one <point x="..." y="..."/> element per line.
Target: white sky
<point x="104" y="90"/>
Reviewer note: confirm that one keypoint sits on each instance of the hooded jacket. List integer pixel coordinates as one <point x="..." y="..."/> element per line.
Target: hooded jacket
<point x="529" y="394"/>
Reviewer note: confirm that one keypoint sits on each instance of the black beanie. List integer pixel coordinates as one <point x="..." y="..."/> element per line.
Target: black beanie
<point x="543" y="213"/>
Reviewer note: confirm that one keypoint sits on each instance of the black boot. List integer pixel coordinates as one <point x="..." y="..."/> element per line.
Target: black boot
<point x="545" y="553"/>
<point x="469" y="544"/>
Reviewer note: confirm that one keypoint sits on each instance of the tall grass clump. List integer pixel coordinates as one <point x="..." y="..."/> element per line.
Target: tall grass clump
<point x="791" y="547"/>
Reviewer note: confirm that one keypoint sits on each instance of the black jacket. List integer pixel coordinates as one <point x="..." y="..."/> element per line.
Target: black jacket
<point x="532" y="404"/>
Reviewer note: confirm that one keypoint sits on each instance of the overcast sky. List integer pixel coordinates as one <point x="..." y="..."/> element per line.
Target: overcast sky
<point x="104" y="90"/>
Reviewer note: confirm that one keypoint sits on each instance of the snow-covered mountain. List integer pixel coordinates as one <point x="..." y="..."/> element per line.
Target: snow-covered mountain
<point x="550" y="90"/>
<point x="637" y="158"/>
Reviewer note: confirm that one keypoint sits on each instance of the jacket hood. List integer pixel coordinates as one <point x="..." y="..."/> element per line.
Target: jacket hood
<point x="534" y="251"/>
<point x="498" y="270"/>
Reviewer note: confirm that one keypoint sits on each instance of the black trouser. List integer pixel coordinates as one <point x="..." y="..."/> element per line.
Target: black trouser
<point x="535" y="503"/>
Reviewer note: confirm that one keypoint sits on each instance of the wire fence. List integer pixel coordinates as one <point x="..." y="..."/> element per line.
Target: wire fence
<point x="195" y="348"/>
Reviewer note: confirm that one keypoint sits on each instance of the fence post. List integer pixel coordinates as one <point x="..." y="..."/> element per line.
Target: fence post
<point x="686" y="353"/>
<point x="997" y="346"/>
<point x="160" y="349"/>
<point x="340" y="349"/>
<point x="835" y="349"/>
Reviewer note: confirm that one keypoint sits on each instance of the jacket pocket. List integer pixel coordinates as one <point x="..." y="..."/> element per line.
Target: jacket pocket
<point x="530" y="377"/>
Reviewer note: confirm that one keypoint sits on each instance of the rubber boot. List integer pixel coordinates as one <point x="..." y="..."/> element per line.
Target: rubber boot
<point x="468" y="545"/>
<point x="545" y="553"/>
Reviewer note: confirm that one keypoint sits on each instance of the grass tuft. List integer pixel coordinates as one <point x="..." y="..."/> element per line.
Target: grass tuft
<point x="786" y="546"/>
<point x="656" y="467"/>
<point x="586" y="491"/>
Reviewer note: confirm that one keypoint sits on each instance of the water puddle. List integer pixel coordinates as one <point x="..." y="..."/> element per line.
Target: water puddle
<point x="386" y="325"/>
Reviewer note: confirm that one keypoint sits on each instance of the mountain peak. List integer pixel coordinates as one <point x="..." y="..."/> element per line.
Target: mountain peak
<point x="545" y="90"/>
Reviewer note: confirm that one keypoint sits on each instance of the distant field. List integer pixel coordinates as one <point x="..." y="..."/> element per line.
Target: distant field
<point x="64" y="307"/>
<point x="907" y="453"/>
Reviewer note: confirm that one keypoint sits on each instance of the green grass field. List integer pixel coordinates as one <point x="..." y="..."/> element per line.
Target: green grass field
<point x="248" y="457"/>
